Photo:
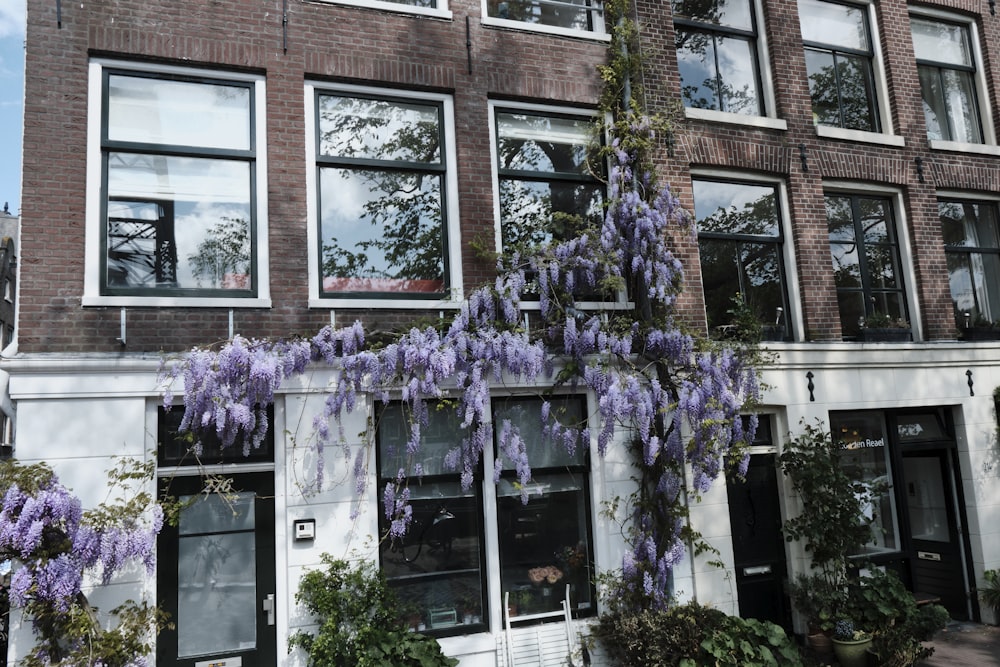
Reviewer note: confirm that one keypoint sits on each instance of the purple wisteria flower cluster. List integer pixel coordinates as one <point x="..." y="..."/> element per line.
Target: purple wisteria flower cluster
<point x="681" y="398"/>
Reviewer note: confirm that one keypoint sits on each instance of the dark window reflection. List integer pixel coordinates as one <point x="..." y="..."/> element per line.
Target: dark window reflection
<point x="740" y="245"/>
<point x="972" y="247"/>
<point x="571" y="14"/>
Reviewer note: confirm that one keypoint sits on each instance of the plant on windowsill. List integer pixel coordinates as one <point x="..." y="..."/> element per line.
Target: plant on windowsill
<point x="881" y="328"/>
<point x="980" y="328"/>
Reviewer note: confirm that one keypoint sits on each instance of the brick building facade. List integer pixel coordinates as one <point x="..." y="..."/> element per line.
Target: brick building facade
<point x="862" y="131"/>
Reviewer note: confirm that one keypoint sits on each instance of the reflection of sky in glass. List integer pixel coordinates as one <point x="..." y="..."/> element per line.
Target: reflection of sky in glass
<point x="713" y="201"/>
<point x="378" y="129"/>
<point x="739" y="81"/>
<point x="204" y="192"/>
<point x="182" y="113"/>
<point x="732" y="13"/>
<point x="834" y="24"/>
<point x="940" y="42"/>
<point x="543" y="143"/>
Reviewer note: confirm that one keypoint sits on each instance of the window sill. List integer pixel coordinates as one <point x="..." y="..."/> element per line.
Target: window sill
<point x="174" y="302"/>
<point x="395" y="7"/>
<point x="547" y="29"/>
<point x="383" y="302"/>
<point x="962" y="147"/>
<point x="735" y="118"/>
<point x="859" y="135"/>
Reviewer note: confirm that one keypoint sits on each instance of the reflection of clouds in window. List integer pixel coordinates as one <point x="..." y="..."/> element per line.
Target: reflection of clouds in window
<point x="834" y="24"/>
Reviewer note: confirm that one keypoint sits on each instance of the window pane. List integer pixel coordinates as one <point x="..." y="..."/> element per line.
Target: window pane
<point x="544" y="546"/>
<point x="762" y="279"/>
<point x="935" y="106"/>
<point x="178" y="222"/>
<point x="823" y="88"/>
<point x="382" y="231"/>
<point x="544" y="451"/>
<point x="217" y="592"/>
<point x="846" y="265"/>
<point x="536" y="212"/>
<point x="866" y="458"/>
<point x="940" y="42"/>
<point x="852" y="311"/>
<point x="857" y="96"/>
<point x="720" y="276"/>
<point x="435" y="568"/>
<point x="180" y="113"/>
<point x="959" y="98"/>
<point x="834" y="24"/>
<point x="550" y="144"/>
<point x="730" y="13"/>
<point x="696" y="62"/>
<point x="738" y="71"/>
<point x="572" y="14"/>
<point x="735" y="208"/>
<point x="441" y="434"/>
<point x="355" y="127"/>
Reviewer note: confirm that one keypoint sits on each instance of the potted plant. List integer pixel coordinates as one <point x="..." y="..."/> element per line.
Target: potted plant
<point x="990" y="594"/>
<point x="850" y="644"/>
<point x="879" y="327"/>
<point x="980" y="328"/>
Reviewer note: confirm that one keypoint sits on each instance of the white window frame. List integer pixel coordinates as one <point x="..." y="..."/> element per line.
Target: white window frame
<point x="907" y="269"/>
<point x="791" y="274"/>
<point x="620" y="302"/>
<point x="770" y="119"/>
<point x="989" y="145"/>
<point x="441" y="12"/>
<point x="599" y="33"/>
<point x="453" y="233"/>
<point x="95" y="195"/>
<point x="887" y="136"/>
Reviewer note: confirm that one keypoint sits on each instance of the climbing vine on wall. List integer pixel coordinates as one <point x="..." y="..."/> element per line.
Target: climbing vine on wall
<point x="679" y="397"/>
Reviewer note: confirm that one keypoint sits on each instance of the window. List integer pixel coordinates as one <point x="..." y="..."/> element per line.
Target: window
<point x="436" y="8"/>
<point x="866" y="261"/>
<point x="866" y="458"/>
<point x="179" y="207"/>
<point x="740" y="243"/>
<point x="545" y="172"/>
<point x="972" y="248"/>
<point x="717" y="56"/>
<point x="557" y="16"/>
<point x="839" y="64"/>
<point x="947" y="80"/>
<point x="384" y="196"/>
<point x="439" y="567"/>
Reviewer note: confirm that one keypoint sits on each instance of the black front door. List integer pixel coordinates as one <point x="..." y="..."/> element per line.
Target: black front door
<point x="936" y="565"/>
<point x="758" y="546"/>
<point x="215" y="574"/>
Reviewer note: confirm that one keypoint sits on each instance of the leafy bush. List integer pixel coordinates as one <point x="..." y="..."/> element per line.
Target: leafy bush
<point x="689" y="635"/>
<point x="990" y="594"/>
<point x="359" y="621"/>
<point x="930" y="618"/>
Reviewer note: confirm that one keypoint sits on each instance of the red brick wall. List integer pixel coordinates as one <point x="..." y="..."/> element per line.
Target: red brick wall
<point x="341" y="43"/>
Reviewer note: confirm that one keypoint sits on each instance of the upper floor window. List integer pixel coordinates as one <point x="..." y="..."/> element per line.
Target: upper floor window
<point x="179" y="169"/>
<point x="717" y="55"/>
<point x="947" y="71"/>
<point x="840" y="64"/>
<point x="435" y="8"/>
<point x="547" y="187"/>
<point x="385" y="220"/>
<point x="557" y="16"/>
<point x="971" y="232"/>
<point x="740" y="243"/>
<point x="866" y="261"/>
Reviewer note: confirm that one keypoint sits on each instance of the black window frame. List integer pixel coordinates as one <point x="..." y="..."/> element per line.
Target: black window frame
<point x="773" y="330"/>
<point x="838" y="52"/>
<point x="714" y="31"/>
<point x="874" y="298"/>
<point x="388" y="165"/>
<point x="939" y="67"/>
<point x="109" y="146"/>
<point x="969" y="250"/>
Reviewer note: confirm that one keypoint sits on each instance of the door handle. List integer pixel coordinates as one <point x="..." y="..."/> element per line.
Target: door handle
<point x="268" y="604"/>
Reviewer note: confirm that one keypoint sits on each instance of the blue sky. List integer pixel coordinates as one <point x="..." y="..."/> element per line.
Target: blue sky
<point x="11" y="100"/>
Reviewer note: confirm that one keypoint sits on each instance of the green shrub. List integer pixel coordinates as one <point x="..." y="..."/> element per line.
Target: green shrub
<point x="359" y="621"/>
<point x="990" y="593"/>
<point x="690" y="635"/>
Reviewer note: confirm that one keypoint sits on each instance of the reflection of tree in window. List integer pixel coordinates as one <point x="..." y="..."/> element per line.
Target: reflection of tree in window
<point x="572" y="14"/>
<point x="839" y="65"/>
<point x="381" y="164"/>
<point x="716" y="54"/>
<point x="865" y="257"/>
<point x="739" y="242"/>
<point x="223" y="256"/>
<point x="547" y="190"/>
